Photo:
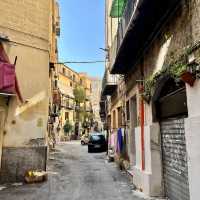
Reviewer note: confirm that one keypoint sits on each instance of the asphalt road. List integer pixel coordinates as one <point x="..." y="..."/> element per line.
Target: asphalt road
<point x="76" y="175"/>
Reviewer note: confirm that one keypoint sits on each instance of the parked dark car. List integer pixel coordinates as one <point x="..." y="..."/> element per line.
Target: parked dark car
<point x="97" y="143"/>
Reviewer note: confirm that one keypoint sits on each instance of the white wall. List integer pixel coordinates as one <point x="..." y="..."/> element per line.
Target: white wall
<point x="149" y="180"/>
<point x="192" y="129"/>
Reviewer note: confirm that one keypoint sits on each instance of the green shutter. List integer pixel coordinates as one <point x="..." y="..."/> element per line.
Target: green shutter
<point x="117" y="8"/>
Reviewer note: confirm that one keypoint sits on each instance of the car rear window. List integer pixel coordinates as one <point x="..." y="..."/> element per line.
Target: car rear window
<point x="97" y="138"/>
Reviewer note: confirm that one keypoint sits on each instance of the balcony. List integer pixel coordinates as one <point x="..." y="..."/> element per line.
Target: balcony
<point x="122" y="29"/>
<point x="109" y="83"/>
<point x="103" y="108"/>
<point x="102" y="111"/>
<point x="67" y="103"/>
<point x="70" y="105"/>
<point x="138" y="26"/>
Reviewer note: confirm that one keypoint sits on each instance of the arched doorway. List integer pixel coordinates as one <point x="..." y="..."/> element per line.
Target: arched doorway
<point x="170" y="104"/>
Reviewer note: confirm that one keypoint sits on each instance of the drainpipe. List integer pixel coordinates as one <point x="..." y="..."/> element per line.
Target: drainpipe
<point x="141" y="89"/>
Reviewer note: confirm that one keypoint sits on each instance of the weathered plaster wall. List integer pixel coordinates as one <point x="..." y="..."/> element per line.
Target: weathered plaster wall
<point x="179" y="32"/>
<point x="28" y="121"/>
<point x="28" y="16"/>
<point x="26" y="23"/>
<point x="149" y="180"/>
<point x="32" y="158"/>
<point x="192" y="127"/>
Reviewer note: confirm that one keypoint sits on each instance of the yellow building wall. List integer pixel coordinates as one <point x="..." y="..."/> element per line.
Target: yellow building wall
<point x="26" y="23"/>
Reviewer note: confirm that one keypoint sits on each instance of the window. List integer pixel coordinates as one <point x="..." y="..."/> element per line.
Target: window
<point x="74" y="77"/>
<point x="134" y="119"/>
<point x="67" y="103"/>
<point x="127" y="111"/>
<point x="119" y="113"/>
<point x="66" y="116"/>
<point x="114" y="119"/>
<point x="56" y="84"/>
<point x="63" y="71"/>
<point x="71" y="85"/>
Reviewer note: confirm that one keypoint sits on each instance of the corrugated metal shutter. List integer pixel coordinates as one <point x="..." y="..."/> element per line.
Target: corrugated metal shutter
<point x="175" y="169"/>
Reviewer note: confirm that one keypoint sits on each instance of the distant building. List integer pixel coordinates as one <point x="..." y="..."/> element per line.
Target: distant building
<point x="96" y="84"/>
<point x="66" y="81"/>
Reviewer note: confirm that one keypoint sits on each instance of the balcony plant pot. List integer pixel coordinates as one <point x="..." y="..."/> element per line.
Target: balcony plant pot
<point x="188" y="78"/>
<point x="146" y="98"/>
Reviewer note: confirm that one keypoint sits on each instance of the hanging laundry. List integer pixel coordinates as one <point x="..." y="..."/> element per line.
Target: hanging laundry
<point x="112" y="140"/>
<point x="119" y="141"/>
<point x="8" y="79"/>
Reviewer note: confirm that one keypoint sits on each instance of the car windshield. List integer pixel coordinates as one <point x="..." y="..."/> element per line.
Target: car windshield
<point x="97" y="138"/>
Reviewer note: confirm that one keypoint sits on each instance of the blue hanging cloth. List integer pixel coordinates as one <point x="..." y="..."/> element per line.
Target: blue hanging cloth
<point x="120" y="140"/>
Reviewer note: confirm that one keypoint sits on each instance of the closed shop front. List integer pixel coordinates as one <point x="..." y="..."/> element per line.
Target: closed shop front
<point x="175" y="169"/>
<point x="171" y="111"/>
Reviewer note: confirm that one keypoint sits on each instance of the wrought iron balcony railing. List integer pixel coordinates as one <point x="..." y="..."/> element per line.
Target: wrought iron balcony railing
<point x="109" y="83"/>
<point x="123" y="25"/>
<point x="137" y="28"/>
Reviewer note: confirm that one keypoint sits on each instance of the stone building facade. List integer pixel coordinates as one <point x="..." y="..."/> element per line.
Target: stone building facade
<point x="161" y="112"/>
<point x="25" y="34"/>
<point x="95" y="98"/>
<point x="66" y="81"/>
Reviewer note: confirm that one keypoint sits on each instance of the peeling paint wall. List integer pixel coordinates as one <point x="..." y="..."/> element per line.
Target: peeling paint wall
<point x="180" y="31"/>
<point x="26" y="23"/>
<point x="192" y="127"/>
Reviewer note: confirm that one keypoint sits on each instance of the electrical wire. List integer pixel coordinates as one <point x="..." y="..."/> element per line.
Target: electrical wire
<point x="81" y="62"/>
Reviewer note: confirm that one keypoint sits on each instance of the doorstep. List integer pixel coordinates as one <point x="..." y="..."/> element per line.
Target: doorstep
<point x="141" y="195"/>
<point x="136" y="192"/>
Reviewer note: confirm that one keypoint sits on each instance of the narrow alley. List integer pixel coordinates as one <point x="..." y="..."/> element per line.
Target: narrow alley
<point x="76" y="175"/>
<point x="116" y="76"/>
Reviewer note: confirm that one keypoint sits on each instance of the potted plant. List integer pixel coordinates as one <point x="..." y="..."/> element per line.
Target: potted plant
<point x="188" y="78"/>
<point x="67" y="128"/>
<point x="180" y="70"/>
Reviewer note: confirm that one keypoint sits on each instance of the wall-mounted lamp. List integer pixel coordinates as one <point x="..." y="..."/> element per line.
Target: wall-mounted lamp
<point x="4" y="37"/>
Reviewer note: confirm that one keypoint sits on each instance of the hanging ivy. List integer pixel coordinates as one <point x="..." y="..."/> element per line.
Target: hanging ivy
<point x="174" y="70"/>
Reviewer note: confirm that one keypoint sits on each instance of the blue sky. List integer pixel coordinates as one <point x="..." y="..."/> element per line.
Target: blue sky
<point x="82" y="34"/>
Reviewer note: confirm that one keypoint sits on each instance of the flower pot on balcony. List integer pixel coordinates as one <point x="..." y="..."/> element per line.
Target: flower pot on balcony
<point x="146" y="97"/>
<point x="188" y="78"/>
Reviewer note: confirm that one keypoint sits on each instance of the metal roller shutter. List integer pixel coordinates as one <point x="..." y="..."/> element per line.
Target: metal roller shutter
<point x="175" y="169"/>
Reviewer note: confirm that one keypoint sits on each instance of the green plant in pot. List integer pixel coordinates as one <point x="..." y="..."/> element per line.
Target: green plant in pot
<point x="180" y="70"/>
<point x="67" y="127"/>
<point x="149" y="86"/>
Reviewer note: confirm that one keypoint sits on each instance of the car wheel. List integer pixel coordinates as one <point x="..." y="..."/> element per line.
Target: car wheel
<point x="89" y="150"/>
<point x="82" y="142"/>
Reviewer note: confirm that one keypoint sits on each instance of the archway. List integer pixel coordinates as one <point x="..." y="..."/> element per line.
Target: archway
<point x="170" y="109"/>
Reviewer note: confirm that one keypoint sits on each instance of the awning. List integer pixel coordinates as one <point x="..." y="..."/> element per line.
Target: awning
<point x="117" y="8"/>
<point x="8" y="79"/>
